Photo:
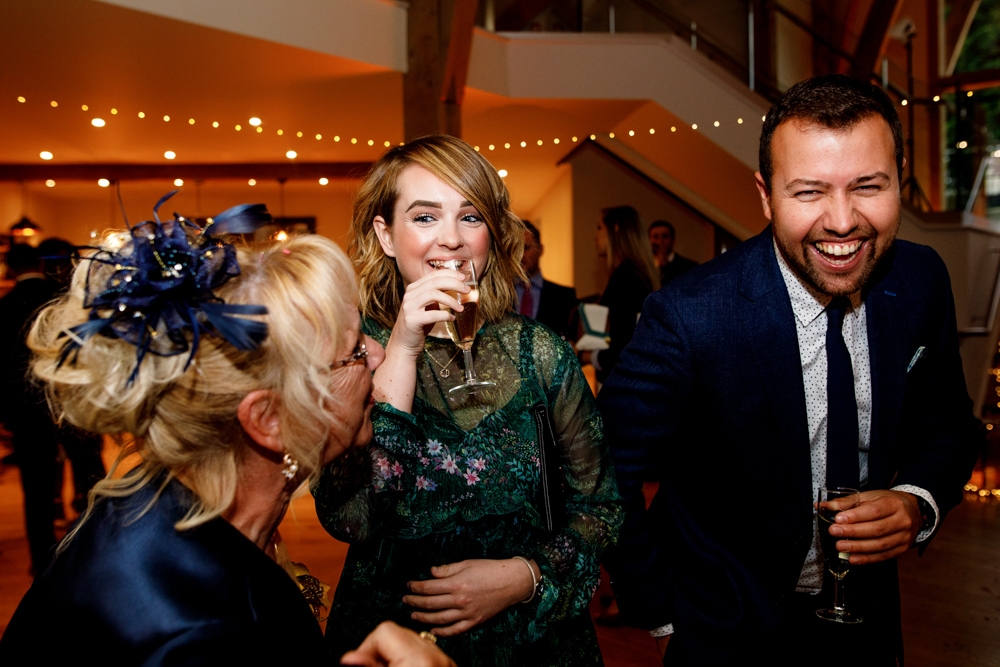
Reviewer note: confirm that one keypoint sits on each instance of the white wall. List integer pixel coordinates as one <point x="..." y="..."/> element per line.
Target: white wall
<point x="660" y="68"/>
<point x="553" y="216"/>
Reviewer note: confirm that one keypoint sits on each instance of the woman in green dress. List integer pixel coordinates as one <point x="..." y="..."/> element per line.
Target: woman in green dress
<point x="444" y="511"/>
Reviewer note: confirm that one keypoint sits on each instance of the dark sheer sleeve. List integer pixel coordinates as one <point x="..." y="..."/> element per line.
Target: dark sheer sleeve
<point x="569" y="558"/>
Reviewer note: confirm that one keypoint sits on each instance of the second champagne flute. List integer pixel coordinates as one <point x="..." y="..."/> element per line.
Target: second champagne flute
<point x="837" y="562"/>
<point x="463" y="329"/>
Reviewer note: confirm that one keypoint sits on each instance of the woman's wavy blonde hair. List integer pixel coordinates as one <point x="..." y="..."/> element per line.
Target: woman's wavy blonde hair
<point x="460" y="166"/>
<point x="183" y="420"/>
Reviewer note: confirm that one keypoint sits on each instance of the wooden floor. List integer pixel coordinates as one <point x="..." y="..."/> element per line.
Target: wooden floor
<point x="951" y="595"/>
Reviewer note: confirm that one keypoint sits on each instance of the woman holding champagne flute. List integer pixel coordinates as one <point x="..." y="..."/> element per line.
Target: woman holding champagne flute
<point x="445" y="512"/>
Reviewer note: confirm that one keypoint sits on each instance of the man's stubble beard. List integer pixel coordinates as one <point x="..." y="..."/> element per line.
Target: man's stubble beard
<point x="876" y="248"/>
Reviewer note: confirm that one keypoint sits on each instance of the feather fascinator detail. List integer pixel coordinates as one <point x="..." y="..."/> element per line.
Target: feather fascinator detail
<point x="157" y="291"/>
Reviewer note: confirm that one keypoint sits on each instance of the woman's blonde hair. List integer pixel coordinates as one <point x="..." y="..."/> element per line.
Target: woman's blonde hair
<point x="183" y="419"/>
<point x="460" y="166"/>
<point x="626" y="240"/>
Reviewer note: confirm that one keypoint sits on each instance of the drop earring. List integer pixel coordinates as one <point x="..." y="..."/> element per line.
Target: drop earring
<point x="290" y="468"/>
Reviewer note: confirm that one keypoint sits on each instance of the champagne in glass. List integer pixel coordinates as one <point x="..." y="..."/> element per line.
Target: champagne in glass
<point x="463" y="329"/>
<point x="838" y="563"/>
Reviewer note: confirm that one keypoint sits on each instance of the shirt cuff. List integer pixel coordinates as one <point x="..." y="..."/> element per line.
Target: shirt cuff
<point x="662" y="631"/>
<point x="925" y="494"/>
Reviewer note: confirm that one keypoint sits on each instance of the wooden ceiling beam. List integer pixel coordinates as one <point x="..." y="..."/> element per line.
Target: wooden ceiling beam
<point x="290" y="171"/>
<point x="456" y="66"/>
<point x="955" y="30"/>
<point x="439" y="45"/>
<point x="871" y="44"/>
<point x="979" y="80"/>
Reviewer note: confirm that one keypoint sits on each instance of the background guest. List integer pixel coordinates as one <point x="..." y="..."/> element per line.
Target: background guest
<point x="662" y="236"/>
<point x="634" y="275"/>
<point x="23" y="409"/>
<point x="82" y="449"/>
<point x="542" y="300"/>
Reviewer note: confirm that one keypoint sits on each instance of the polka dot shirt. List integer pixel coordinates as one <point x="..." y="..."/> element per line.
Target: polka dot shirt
<point x="808" y="306"/>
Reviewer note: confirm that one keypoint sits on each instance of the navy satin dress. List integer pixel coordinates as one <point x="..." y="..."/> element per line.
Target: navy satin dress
<point x="133" y="590"/>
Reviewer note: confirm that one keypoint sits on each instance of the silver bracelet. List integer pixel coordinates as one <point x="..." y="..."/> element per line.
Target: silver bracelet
<point x="534" y="579"/>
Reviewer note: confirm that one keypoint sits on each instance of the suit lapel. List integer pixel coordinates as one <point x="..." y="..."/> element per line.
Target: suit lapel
<point x="766" y="316"/>
<point x="886" y="319"/>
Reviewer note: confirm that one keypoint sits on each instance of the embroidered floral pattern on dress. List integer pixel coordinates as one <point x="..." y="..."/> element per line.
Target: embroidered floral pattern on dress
<point x="460" y="479"/>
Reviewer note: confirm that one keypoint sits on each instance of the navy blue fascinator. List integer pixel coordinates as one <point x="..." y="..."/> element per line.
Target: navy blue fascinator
<point x="157" y="290"/>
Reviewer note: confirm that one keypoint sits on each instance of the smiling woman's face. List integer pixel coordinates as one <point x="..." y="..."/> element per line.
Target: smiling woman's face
<point x="431" y="221"/>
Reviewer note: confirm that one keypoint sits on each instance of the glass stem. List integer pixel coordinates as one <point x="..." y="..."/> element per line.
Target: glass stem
<point x="470" y="371"/>
<point x="838" y="594"/>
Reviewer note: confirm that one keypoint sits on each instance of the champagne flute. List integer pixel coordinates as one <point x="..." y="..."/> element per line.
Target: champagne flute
<point x="838" y="563"/>
<point x="463" y="329"/>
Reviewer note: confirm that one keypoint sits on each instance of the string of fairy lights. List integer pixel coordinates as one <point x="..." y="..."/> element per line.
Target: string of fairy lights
<point x="255" y="125"/>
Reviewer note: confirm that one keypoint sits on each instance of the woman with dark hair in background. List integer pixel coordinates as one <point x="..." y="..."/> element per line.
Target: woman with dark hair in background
<point x="446" y="514"/>
<point x="621" y="240"/>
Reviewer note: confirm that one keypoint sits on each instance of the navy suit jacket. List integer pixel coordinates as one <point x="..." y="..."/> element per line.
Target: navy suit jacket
<point x="556" y="307"/>
<point x="709" y="399"/>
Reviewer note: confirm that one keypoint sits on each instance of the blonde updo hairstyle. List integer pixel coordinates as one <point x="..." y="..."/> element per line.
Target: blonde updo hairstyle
<point x="183" y="421"/>
<point x="471" y="175"/>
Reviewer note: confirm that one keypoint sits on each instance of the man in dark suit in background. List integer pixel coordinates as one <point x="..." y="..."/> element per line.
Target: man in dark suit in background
<point x="822" y="352"/>
<point x="661" y="238"/>
<point x="23" y="408"/>
<point x="551" y="304"/>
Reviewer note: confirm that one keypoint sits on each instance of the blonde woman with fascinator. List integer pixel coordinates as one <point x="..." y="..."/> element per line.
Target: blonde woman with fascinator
<point x="238" y="374"/>
<point x="450" y="527"/>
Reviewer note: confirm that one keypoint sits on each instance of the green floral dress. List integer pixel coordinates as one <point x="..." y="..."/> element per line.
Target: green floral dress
<point x="459" y="479"/>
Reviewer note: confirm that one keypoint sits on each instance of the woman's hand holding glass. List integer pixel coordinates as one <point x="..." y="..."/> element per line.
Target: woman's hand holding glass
<point x="421" y="308"/>
<point x="419" y="313"/>
<point x="464" y="594"/>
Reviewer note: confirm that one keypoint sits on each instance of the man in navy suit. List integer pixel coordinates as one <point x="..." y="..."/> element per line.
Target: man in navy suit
<point x="542" y="300"/>
<point x="821" y="352"/>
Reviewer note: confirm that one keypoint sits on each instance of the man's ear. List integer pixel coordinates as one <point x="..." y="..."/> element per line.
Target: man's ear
<point x="765" y="196"/>
<point x="258" y="415"/>
<point x="384" y="234"/>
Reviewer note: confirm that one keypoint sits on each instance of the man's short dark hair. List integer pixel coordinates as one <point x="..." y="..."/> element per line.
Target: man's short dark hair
<point x="662" y="223"/>
<point x="534" y="231"/>
<point x="835" y="101"/>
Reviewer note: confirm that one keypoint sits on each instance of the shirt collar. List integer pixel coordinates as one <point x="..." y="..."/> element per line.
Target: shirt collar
<point x="536" y="279"/>
<point x="808" y="303"/>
